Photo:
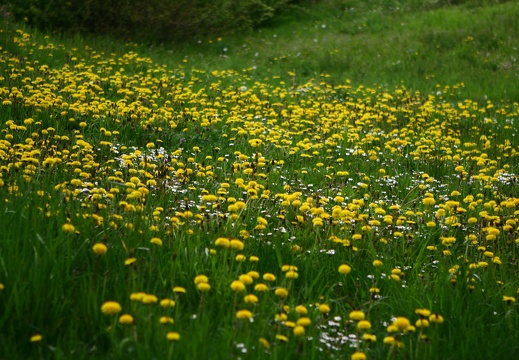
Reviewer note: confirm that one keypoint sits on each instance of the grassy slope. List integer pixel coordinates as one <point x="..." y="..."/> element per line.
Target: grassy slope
<point x="348" y="47"/>
<point x="382" y="45"/>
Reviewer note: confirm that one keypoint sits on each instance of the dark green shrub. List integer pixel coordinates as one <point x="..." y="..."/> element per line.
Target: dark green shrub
<point x="158" y="20"/>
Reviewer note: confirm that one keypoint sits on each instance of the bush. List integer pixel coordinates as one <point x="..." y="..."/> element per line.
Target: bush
<point x="155" y="20"/>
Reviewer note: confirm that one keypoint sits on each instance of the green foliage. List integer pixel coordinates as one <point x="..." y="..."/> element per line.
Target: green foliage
<point x="153" y="20"/>
<point x="127" y="144"/>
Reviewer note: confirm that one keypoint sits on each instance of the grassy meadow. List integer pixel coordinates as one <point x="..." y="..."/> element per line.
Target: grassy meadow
<point x="341" y="183"/>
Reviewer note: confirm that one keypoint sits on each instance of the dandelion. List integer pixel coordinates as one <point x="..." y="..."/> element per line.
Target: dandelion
<point x="164" y="320"/>
<point x="261" y="287"/>
<point x="165" y="303"/>
<point x="281" y="292"/>
<point x="246" y="279"/>
<point x="363" y="325"/>
<point x="301" y="310"/>
<point x="402" y="323"/>
<point x="291" y="275"/>
<point x="436" y="318"/>
<point x="508" y="299"/>
<point x="111" y="308"/>
<point x="236" y="244"/>
<point x="369" y="337"/>
<point x="357" y="315"/>
<point x="222" y="242"/>
<point x="199" y="279"/>
<point x="244" y="314"/>
<point x="99" y="249"/>
<point x="240" y="258"/>
<point x="149" y="299"/>
<point x="269" y="277"/>
<point x="358" y="355"/>
<point x="324" y="308"/>
<point x="237" y="286"/>
<point x="179" y="290"/>
<point x="281" y="338"/>
<point x="250" y="299"/>
<point x="299" y="330"/>
<point x="422" y="323"/>
<point x="429" y="201"/>
<point x="156" y="241"/>
<point x="423" y="312"/>
<point x="137" y="296"/>
<point x="264" y="343"/>
<point x="344" y="269"/>
<point x="389" y="340"/>
<point x="126" y="319"/>
<point x="130" y="261"/>
<point x="36" y="338"/>
<point x="304" y="321"/>
<point x="203" y="287"/>
<point x="68" y="228"/>
<point x="173" y="336"/>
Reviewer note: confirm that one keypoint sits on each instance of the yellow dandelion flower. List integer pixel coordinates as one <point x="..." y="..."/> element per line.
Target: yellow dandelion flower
<point x="243" y="314"/>
<point x="111" y="308"/>
<point x="324" y="308"/>
<point x="99" y="249"/>
<point x="203" y="287"/>
<point x="389" y="340"/>
<point x="201" y="279"/>
<point x="509" y="299"/>
<point x="428" y="201"/>
<point x="291" y="275"/>
<point x="68" y="228"/>
<point x="240" y="258"/>
<point x="357" y="315"/>
<point x="250" y="299"/>
<point x="363" y="325"/>
<point x="423" y="312"/>
<point x="299" y="330"/>
<point x="237" y="286"/>
<point x="149" y="299"/>
<point x="138" y="296"/>
<point x="281" y="338"/>
<point x="436" y="318"/>
<point x="422" y="323"/>
<point x="369" y="337"/>
<point x="179" y="290"/>
<point x="156" y="241"/>
<point x="36" y="338"/>
<point x="126" y="319"/>
<point x="164" y="320"/>
<point x="167" y="303"/>
<point x="281" y="292"/>
<point x="269" y="277"/>
<point x="264" y="342"/>
<point x="261" y="287"/>
<point x="402" y="323"/>
<point x="130" y="261"/>
<point x="173" y="336"/>
<point x="358" y="355"/>
<point x="344" y="269"/>
<point x="301" y="310"/>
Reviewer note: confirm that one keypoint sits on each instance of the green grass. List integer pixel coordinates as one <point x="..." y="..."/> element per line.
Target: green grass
<point x="330" y="149"/>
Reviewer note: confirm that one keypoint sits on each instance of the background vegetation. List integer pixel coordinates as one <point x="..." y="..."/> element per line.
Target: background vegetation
<point x="375" y="134"/>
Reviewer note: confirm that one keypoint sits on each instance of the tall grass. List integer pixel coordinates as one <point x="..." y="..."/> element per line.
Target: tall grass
<point x="311" y="193"/>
